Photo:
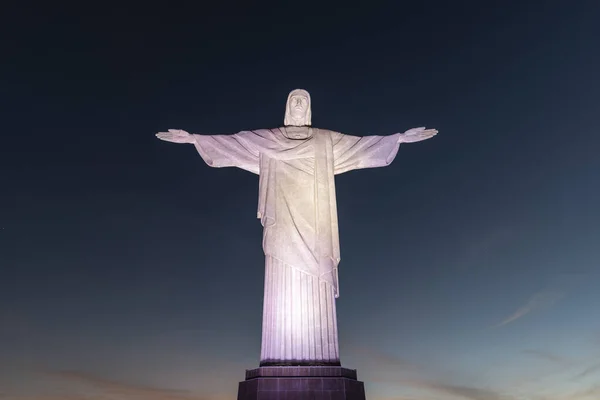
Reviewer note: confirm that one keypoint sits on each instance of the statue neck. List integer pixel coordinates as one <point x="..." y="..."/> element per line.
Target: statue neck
<point x="297" y="132"/>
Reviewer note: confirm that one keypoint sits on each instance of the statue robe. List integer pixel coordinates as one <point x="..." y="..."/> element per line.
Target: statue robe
<point x="297" y="208"/>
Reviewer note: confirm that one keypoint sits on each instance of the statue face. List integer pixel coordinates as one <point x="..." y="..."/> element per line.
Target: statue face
<point x="297" y="109"/>
<point x="298" y="106"/>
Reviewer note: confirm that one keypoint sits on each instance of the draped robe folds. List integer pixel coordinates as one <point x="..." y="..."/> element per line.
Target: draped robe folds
<point x="297" y="202"/>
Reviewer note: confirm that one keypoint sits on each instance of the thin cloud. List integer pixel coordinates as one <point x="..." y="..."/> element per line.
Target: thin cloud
<point x="536" y="302"/>
<point x="547" y="356"/>
<point x="455" y="391"/>
<point x="478" y="247"/>
<point x="378" y="357"/>
<point x="396" y="398"/>
<point x="592" y="393"/>
<point x="404" y="373"/>
<point x="588" y="371"/>
<point x="55" y="397"/>
<point x="471" y="393"/>
<point x="119" y="390"/>
<point x="559" y="371"/>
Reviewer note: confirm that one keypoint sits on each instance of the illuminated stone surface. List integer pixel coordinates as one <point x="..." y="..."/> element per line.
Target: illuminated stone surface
<point x="296" y="165"/>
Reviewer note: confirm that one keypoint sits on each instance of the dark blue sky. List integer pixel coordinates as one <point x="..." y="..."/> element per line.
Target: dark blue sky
<point x="470" y="266"/>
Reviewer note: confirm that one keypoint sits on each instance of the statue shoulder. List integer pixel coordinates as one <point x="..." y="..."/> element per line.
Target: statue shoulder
<point x="330" y="133"/>
<point x="270" y="131"/>
<point x="264" y="133"/>
<point x="322" y="131"/>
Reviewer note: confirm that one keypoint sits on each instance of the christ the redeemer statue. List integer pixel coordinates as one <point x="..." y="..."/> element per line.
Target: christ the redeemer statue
<point x="297" y="208"/>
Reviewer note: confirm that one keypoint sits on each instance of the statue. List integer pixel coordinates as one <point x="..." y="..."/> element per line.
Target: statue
<point x="296" y="165"/>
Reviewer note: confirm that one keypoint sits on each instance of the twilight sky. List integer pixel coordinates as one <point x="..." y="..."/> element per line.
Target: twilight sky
<point x="470" y="267"/>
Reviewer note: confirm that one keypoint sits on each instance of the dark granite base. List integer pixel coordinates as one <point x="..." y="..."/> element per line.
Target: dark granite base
<point x="301" y="383"/>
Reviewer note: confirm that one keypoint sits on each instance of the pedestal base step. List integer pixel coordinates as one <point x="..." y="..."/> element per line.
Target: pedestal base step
<point x="301" y="383"/>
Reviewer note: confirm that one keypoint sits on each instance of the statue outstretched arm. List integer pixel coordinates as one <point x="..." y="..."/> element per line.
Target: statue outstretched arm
<point x="176" y="136"/>
<point x="417" y="134"/>
<point x="218" y="150"/>
<point x="358" y="152"/>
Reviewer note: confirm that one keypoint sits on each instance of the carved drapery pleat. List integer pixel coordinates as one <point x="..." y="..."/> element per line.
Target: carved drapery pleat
<point x="299" y="318"/>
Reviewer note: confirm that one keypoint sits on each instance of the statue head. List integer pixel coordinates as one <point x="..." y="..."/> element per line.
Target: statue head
<point x="297" y="109"/>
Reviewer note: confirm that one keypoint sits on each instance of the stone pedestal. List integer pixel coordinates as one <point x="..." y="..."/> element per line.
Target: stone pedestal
<point x="301" y="383"/>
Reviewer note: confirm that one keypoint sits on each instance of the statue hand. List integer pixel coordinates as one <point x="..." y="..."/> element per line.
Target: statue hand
<point x="417" y="134"/>
<point x="175" y="136"/>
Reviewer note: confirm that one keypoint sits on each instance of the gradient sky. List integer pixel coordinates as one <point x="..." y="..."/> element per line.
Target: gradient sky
<point x="470" y="267"/>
